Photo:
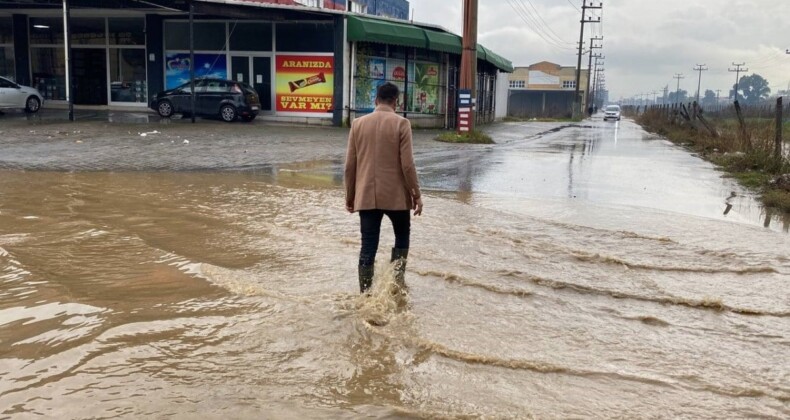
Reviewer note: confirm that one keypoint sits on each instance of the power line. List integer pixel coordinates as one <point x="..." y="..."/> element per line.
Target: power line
<point x="546" y="25"/>
<point x="535" y="27"/>
<point x="573" y="5"/>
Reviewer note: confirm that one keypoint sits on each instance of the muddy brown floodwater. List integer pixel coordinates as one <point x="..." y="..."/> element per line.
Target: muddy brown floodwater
<point x="586" y="273"/>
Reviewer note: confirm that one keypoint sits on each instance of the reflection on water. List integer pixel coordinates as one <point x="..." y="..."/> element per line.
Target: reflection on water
<point x="211" y="295"/>
<point x="605" y="165"/>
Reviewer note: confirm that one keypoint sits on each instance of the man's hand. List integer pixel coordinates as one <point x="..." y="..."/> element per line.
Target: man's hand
<point x="417" y="203"/>
<point x="350" y="207"/>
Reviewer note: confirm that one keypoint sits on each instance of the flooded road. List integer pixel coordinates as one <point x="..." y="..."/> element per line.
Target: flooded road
<point x="582" y="273"/>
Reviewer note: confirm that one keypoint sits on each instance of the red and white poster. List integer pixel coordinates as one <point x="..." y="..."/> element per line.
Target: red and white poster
<point x="305" y="83"/>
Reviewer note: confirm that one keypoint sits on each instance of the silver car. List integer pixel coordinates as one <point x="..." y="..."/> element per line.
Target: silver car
<point x="14" y="96"/>
<point x="612" y="112"/>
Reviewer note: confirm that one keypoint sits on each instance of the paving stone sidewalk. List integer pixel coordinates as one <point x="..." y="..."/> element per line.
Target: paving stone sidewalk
<point x="136" y="142"/>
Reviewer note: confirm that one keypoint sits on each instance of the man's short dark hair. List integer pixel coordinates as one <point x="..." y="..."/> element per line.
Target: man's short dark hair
<point x="388" y="93"/>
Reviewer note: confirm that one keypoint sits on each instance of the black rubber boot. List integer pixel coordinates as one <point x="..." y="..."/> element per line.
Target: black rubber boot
<point x="365" y="278"/>
<point x="399" y="258"/>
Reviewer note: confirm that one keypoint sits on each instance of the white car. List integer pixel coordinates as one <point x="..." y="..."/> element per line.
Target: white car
<point x="612" y="112"/>
<point x="17" y="96"/>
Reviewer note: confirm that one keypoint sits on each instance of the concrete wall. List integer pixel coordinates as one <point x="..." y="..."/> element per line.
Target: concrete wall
<point x="502" y="82"/>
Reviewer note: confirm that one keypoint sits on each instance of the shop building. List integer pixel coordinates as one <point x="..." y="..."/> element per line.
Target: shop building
<point x="545" y="89"/>
<point x="308" y="66"/>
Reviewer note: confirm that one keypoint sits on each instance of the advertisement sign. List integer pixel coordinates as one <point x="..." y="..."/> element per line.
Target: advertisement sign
<point x="374" y="72"/>
<point x="305" y="83"/>
<point x="426" y="88"/>
<point x="396" y="74"/>
<point x="206" y="65"/>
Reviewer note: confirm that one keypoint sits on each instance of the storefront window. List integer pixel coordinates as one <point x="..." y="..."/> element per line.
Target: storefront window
<point x="426" y="88"/>
<point x="6" y="31"/>
<point x="127" y="75"/>
<point x="305" y="37"/>
<point x="250" y="36"/>
<point x="46" y="30"/>
<point x="48" y="65"/>
<point x="126" y="31"/>
<point x="209" y="36"/>
<point x="7" y="63"/>
<point x="88" y="31"/>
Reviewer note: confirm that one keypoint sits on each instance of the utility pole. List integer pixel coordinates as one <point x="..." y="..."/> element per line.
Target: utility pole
<point x="595" y="76"/>
<point x="469" y="59"/>
<point x="737" y="70"/>
<point x="577" y="101"/>
<point x="678" y="76"/>
<point x="589" y="69"/>
<point x="599" y="82"/>
<point x="666" y="95"/>
<point x="700" y="68"/>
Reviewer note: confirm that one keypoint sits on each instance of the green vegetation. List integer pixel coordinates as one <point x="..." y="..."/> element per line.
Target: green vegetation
<point x="777" y="198"/>
<point x="749" y="161"/>
<point x="472" y="137"/>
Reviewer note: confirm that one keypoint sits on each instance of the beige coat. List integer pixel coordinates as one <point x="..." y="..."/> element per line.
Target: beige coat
<point x="380" y="172"/>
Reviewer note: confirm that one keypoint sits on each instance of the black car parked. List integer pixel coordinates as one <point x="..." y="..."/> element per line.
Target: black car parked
<point x="226" y="99"/>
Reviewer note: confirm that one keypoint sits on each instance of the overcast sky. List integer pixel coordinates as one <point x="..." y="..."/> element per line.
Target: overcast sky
<point x="646" y="42"/>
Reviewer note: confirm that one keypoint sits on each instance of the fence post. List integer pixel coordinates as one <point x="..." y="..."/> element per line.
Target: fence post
<point x="744" y="134"/>
<point x="778" y="140"/>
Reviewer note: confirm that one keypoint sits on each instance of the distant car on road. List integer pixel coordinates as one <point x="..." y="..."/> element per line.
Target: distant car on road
<point x="612" y="112"/>
<point x="13" y="95"/>
<point x="226" y="99"/>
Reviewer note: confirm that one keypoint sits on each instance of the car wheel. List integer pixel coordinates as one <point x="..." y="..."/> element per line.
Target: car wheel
<point x="32" y="104"/>
<point x="247" y="118"/>
<point x="165" y="109"/>
<point x="227" y="113"/>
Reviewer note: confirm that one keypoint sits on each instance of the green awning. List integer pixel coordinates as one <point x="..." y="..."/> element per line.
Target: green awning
<point x="444" y="42"/>
<point x="495" y="59"/>
<point x="371" y="30"/>
<point x="482" y="52"/>
<point x="407" y="35"/>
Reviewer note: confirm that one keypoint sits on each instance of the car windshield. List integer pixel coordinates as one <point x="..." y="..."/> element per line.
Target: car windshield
<point x="6" y="83"/>
<point x="613" y="108"/>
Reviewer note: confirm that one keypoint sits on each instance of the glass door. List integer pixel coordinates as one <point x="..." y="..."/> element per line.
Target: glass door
<point x="262" y="72"/>
<point x="240" y="68"/>
<point x="90" y="76"/>
<point x="255" y="71"/>
<point x="128" y="76"/>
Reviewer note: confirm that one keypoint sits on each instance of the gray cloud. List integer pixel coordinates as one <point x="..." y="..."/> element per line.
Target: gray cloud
<point x="646" y="42"/>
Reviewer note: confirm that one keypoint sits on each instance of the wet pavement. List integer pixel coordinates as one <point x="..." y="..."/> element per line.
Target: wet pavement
<point x="583" y="271"/>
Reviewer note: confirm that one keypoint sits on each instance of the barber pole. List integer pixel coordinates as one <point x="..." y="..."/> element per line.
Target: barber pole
<point x="467" y="82"/>
<point x="465" y="107"/>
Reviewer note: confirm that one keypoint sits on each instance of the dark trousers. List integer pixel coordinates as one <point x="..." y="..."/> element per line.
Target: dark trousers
<point x="370" y="227"/>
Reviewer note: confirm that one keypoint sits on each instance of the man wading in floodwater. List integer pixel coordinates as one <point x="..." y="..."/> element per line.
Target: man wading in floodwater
<point x="381" y="179"/>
